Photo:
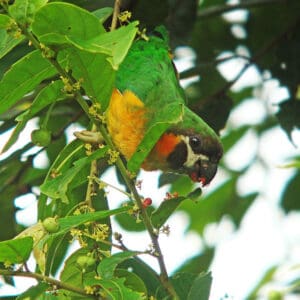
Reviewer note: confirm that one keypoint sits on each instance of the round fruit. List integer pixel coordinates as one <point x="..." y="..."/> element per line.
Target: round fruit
<point x="41" y="137"/>
<point x="51" y="225"/>
<point x="147" y="202"/>
<point x="86" y="263"/>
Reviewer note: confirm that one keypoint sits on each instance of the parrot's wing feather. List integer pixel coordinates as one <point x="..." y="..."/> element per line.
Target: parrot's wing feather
<point x="161" y="121"/>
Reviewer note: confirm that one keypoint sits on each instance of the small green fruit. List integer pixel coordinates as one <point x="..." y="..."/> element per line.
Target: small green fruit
<point x="41" y="137"/>
<point x="86" y="263"/>
<point x="51" y="225"/>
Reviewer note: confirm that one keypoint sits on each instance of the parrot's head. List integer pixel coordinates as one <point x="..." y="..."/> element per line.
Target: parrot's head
<point x="196" y="155"/>
<point x="190" y="147"/>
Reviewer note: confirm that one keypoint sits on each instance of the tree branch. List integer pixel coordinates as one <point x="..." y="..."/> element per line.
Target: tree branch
<point x="51" y="281"/>
<point x="220" y="9"/>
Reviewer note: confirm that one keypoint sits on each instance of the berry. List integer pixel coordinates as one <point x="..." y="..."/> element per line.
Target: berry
<point x="147" y="202"/>
<point x="86" y="263"/>
<point x="41" y="137"/>
<point x="51" y="225"/>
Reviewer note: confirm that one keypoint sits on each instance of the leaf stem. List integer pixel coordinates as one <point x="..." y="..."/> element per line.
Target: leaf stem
<point x="51" y="281"/>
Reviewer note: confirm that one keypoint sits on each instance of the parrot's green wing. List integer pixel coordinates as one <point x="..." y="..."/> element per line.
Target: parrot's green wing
<point x="148" y="72"/>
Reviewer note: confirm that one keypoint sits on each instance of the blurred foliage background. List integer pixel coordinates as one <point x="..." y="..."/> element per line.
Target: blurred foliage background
<point x="226" y="43"/>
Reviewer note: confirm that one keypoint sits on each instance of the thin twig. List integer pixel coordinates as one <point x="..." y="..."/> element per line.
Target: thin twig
<point x="256" y="57"/>
<point x="220" y="9"/>
<point x="116" y="13"/>
<point x="51" y="281"/>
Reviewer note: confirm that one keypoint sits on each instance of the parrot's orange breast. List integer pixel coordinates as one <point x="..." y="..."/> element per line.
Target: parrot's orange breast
<point x="126" y="120"/>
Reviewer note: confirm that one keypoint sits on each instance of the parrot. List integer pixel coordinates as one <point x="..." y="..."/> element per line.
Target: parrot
<point x="147" y="83"/>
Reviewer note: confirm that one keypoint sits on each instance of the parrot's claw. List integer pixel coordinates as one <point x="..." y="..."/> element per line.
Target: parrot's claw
<point x="90" y="137"/>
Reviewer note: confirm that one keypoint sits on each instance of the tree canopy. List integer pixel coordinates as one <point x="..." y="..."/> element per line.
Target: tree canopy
<point x="58" y="63"/>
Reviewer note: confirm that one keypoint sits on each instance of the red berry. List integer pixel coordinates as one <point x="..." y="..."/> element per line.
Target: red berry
<point x="147" y="202"/>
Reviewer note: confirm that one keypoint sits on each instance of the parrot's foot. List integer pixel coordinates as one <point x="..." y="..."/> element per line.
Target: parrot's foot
<point x="90" y="137"/>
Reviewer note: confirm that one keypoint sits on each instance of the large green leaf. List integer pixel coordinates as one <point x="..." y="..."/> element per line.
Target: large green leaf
<point x="116" y="289"/>
<point x="69" y="222"/>
<point x="114" y="43"/>
<point x="95" y="74"/>
<point x="290" y="200"/>
<point x="67" y="20"/>
<point x="108" y="265"/>
<point x="144" y="271"/>
<point x="5" y="21"/>
<point x="23" y="77"/>
<point x="200" y="288"/>
<point x="58" y="187"/>
<point x="16" y="251"/>
<point x="35" y="292"/>
<point x="68" y="155"/>
<point x="51" y="93"/>
<point x="23" y="11"/>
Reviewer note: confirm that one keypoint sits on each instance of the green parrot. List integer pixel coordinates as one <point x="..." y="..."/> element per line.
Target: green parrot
<point x="147" y="85"/>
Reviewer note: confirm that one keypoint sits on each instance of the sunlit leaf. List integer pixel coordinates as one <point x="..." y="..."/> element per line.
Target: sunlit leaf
<point x="35" y="292"/>
<point x="108" y="265"/>
<point x="58" y="186"/>
<point x="66" y="19"/>
<point x="69" y="222"/>
<point x="290" y="200"/>
<point x="16" y="251"/>
<point x="200" y="288"/>
<point x="95" y="74"/>
<point x="24" y="10"/>
<point x="22" y="77"/>
<point x="51" y="93"/>
<point x="114" y="43"/>
<point x="103" y="13"/>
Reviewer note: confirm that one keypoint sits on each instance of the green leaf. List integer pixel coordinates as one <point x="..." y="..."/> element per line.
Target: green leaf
<point x="103" y="13"/>
<point x="5" y="21"/>
<point x="51" y="93"/>
<point x="23" y="77"/>
<point x="132" y="281"/>
<point x="117" y="289"/>
<point x="114" y="43"/>
<point x="198" y="263"/>
<point x="8" y="42"/>
<point x="24" y="10"/>
<point x="64" y="161"/>
<point x="59" y="186"/>
<point x="95" y="74"/>
<point x="158" y="124"/>
<point x="289" y="116"/>
<point x="69" y="222"/>
<point x="16" y="251"/>
<point x="290" y="197"/>
<point x="35" y="292"/>
<point x="163" y="212"/>
<point x="200" y="288"/>
<point x="107" y="266"/>
<point x="67" y="20"/>
<point x="70" y="272"/>
<point x="143" y="271"/>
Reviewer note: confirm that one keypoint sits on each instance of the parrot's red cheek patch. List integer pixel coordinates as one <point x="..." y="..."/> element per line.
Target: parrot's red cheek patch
<point x="195" y="178"/>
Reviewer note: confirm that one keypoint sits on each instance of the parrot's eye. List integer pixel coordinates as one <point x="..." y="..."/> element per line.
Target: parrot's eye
<point x="195" y="143"/>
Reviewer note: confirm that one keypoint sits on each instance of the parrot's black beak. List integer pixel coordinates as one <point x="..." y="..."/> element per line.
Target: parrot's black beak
<point x="203" y="171"/>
